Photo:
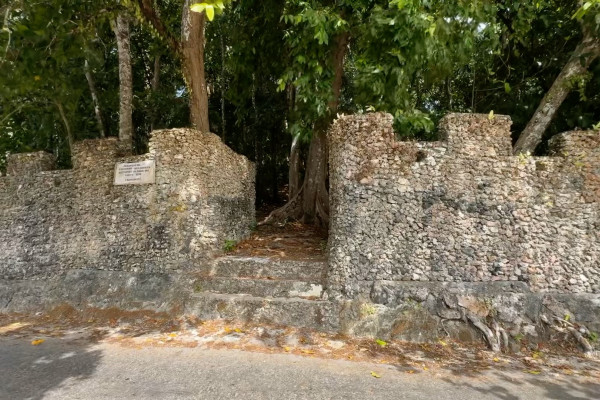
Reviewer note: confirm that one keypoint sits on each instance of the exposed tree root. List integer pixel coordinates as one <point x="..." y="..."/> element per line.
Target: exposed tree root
<point x="563" y="326"/>
<point x="292" y="210"/>
<point x="492" y="338"/>
<point x="310" y="204"/>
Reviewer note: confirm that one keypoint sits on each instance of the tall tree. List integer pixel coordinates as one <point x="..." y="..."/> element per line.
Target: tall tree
<point x="97" y="109"/>
<point x="392" y="42"/>
<point x="192" y="46"/>
<point x="121" y="29"/>
<point x="582" y="57"/>
<point x="316" y="75"/>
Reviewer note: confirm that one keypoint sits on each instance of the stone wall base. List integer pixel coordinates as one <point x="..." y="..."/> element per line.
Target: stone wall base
<point x="418" y="312"/>
<point x="95" y="288"/>
<point x="470" y="312"/>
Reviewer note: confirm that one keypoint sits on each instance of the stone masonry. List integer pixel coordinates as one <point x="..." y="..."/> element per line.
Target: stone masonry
<point x="427" y="240"/>
<point x="462" y="209"/>
<point x="53" y="221"/>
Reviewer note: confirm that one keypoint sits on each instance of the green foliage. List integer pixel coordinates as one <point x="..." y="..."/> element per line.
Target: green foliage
<point x="210" y="8"/>
<point x="588" y="8"/>
<point x="519" y="337"/>
<point x="269" y="67"/>
<point x="406" y="49"/>
<point x="43" y="43"/>
<point x="229" y="246"/>
<point x="310" y="31"/>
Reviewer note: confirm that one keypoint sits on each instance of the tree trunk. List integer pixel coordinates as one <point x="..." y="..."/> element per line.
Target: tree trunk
<point x="97" y="110"/>
<point x="156" y="74"/>
<point x="449" y="93"/>
<point x="65" y="121"/>
<point x="585" y="53"/>
<point x="255" y="124"/>
<point x="311" y="202"/>
<point x="121" y="29"/>
<point x="223" y="120"/>
<point x="155" y="86"/>
<point x="315" y="204"/>
<point x="192" y="42"/>
<point x="294" y="171"/>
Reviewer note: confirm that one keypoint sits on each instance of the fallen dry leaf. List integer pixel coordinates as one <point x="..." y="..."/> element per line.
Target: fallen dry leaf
<point x="37" y="342"/>
<point x="533" y="372"/>
<point x="375" y="374"/>
<point x="12" y="327"/>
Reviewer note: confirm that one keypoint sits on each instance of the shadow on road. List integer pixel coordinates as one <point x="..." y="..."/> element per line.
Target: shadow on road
<point x="559" y="388"/>
<point x="29" y="372"/>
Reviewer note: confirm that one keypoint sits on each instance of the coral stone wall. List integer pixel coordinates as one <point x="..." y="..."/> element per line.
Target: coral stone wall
<point x="29" y="163"/>
<point x="462" y="209"/>
<point x="52" y="221"/>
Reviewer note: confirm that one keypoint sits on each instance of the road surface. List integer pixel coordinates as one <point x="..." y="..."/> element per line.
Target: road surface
<point x="59" y="369"/>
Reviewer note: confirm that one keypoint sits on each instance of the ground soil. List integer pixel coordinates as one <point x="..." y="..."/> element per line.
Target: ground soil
<point x="292" y="241"/>
<point x="147" y="329"/>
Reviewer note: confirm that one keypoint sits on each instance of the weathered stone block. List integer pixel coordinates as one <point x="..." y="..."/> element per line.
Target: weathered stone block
<point x="26" y="164"/>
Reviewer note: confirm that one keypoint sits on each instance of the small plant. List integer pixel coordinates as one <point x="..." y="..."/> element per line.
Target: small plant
<point x="229" y="246"/>
<point x="253" y="226"/>
<point x="198" y="287"/>
<point x="323" y="245"/>
<point x="519" y="337"/>
<point x="524" y="158"/>
<point x="179" y="208"/>
<point x="367" y="310"/>
<point x="593" y="336"/>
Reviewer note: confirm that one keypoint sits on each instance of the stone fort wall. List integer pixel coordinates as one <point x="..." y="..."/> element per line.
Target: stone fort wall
<point x="53" y="221"/>
<point x="461" y="210"/>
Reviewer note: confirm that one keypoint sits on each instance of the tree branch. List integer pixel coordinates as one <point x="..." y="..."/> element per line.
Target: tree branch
<point x="151" y="17"/>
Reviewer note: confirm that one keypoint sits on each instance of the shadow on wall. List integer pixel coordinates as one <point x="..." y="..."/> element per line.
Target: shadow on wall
<point x="31" y="372"/>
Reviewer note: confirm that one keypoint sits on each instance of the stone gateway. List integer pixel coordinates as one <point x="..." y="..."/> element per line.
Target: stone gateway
<point x="456" y="237"/>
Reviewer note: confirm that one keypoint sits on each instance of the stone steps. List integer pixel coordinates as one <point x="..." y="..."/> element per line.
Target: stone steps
<point x="265" y="268"/>
<point x="264" y="290"/>
<point x="313" y="314"/>
<point x="260" y="287"/>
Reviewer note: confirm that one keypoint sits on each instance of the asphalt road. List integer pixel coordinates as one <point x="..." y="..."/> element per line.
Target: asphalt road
<point x="59" y="369"/>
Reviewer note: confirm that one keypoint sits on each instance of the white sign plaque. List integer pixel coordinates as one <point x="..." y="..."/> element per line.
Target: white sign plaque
<point x="138" y="173"/>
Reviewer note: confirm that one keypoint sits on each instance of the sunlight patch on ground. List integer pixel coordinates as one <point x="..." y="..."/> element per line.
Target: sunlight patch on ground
<point x="12" y="327"/>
